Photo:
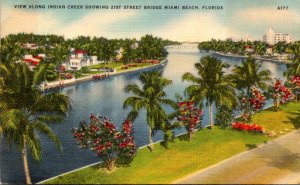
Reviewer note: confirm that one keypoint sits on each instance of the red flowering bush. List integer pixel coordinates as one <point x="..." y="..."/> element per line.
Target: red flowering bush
<point x="256" y="99"/>
<point x="247" y="127"/>
<point x="279" y="93"/>
<point x="295" y="80"/>
<point x="294" y="84"/>
<point x="253" y="102"/>
<point x="102" y="137"/>
<point x="189" y="116"/>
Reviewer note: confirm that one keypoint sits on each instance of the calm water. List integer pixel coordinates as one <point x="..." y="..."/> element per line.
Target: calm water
<point x="103" y="97"/>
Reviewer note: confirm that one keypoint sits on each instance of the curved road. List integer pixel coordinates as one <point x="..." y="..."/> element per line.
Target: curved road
<point x="276" y="162"/>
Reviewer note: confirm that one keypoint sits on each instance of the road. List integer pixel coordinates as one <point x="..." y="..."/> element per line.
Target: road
<point x="276" y="162"/>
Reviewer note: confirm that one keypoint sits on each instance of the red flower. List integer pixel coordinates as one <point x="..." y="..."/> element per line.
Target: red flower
<point x="246" y="127"/>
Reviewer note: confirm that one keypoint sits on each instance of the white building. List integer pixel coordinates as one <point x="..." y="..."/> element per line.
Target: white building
<point x="33" y="61"/>
<point x="272" y="38"/>
<point x="247" y="38"/>
<point x="79" y="59"/>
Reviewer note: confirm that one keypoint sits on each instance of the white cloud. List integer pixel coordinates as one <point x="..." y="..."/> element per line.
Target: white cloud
<point x="95" y="24"/>
<point x="195" y="27"/>
<point x="92" y="24"/>
<point x="15" y="21"/>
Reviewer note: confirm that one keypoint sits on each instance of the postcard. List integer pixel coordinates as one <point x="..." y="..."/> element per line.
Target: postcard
<point x="150" y="92"/>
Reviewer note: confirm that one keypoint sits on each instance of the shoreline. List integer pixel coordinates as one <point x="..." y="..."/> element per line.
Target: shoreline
<point x="255" y="57"/>
<point x="73" y="81"/>
<point x="86" y="166"/>
<point x="144" y="146"/>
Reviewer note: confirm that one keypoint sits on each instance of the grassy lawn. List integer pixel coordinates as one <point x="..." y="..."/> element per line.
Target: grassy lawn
<point x="118" y="66"/>
<point x="182" y="158"/>
<point x="280" y="122"/>
<point x="139" y="65"/>
<point x="110" y="64"/>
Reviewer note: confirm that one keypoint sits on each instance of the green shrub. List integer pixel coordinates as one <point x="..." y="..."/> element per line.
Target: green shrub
<point x="224" y="117"/>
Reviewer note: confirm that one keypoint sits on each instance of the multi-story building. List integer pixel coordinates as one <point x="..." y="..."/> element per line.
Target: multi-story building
<point x="79" y="59"/>
<point x="272" y="38"/>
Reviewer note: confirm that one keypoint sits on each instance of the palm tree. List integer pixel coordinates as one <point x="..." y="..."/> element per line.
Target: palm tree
<point x="150" y="97"/>
<point x="249" y="74"/>
<point x="294" y="67"/>
<point x="210" y="84"/>
<point x="260" y="48"/>
<point x="25" y="111"/>
<point x="129" y="52"/>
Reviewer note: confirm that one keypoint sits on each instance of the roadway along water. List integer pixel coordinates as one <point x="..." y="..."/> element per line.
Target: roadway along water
<point x="104" y="97"/>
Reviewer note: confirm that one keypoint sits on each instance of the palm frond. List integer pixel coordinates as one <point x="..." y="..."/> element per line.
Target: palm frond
<point x="34" y="146"/>
<point x="169" y="102"/>
<point x="55" y="103"/>
<point x="191" y="78"/>
<point x="39" y="74"/>
<point x="10" y="119"/>
<point x="44" y="129"/>
<point x="133" y="88"/>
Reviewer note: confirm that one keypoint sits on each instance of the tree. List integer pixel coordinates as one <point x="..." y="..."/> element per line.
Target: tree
<point x="279" y="93"/>
<point x="224" y="117"/>
<point x="150" y="97"/>
<point x="25" y="111"/>
<point x="102" y="137"/>
<point x="249" y="74"/>
<point x="251" y="102"/>
<point x="260" y="48"/>
<point x="129" y="52"/>
<point x="151" y="48"/>
<point x="108" y="50"/>
<point x="293" y="69"/>
<point x="189" y="116"/>
<point x="280" y="47"/>
<point x="210" y="84"/>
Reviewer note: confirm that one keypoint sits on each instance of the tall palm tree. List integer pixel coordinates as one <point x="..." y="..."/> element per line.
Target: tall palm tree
<point x="250" y="74"/>
<point x="211" y="84"/>
<point x="25" y="111"/>
<point x="294" y="67"/>
<point x="150" y="97"/>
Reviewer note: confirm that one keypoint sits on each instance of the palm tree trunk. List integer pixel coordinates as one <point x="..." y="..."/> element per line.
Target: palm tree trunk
<point x="1" y="131"/>
<point x="151" y="147"/>
<point x="25" y="165"/>
<point x="210" y="116"/>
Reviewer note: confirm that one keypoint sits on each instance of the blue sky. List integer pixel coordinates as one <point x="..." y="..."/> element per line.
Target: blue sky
<point x="237" y="19"/>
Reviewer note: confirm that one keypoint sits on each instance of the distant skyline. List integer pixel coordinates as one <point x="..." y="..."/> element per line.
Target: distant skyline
<point x="237" y="19"/>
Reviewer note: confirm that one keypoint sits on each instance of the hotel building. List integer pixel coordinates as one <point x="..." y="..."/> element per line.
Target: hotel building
<point x="272" y="38"/>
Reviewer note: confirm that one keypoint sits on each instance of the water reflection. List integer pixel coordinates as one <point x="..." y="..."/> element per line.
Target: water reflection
<point x="104" y="97"/>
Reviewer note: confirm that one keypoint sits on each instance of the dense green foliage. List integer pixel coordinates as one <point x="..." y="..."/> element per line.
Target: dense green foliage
<point x="249" y="74"/>
<point x="150" y="98"/>
<point x="210" y="84"/>
<point x="294" y="67"/>
<point x="240" y="47"/>
<point x="224" y="117"/>
<point x="25" y="111"/>
<point x="57" y="48"/>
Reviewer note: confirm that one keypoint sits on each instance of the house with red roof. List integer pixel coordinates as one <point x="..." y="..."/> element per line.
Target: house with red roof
<point x="80" y="58"/>
<point x="33" y="61"/>
<point x="249" y="49"/>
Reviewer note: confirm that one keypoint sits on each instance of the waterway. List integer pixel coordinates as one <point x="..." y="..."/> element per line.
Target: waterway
<point x="104" y="97"/>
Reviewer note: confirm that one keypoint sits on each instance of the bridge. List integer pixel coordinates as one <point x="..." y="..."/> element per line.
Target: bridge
<point x="183" y="46"/>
